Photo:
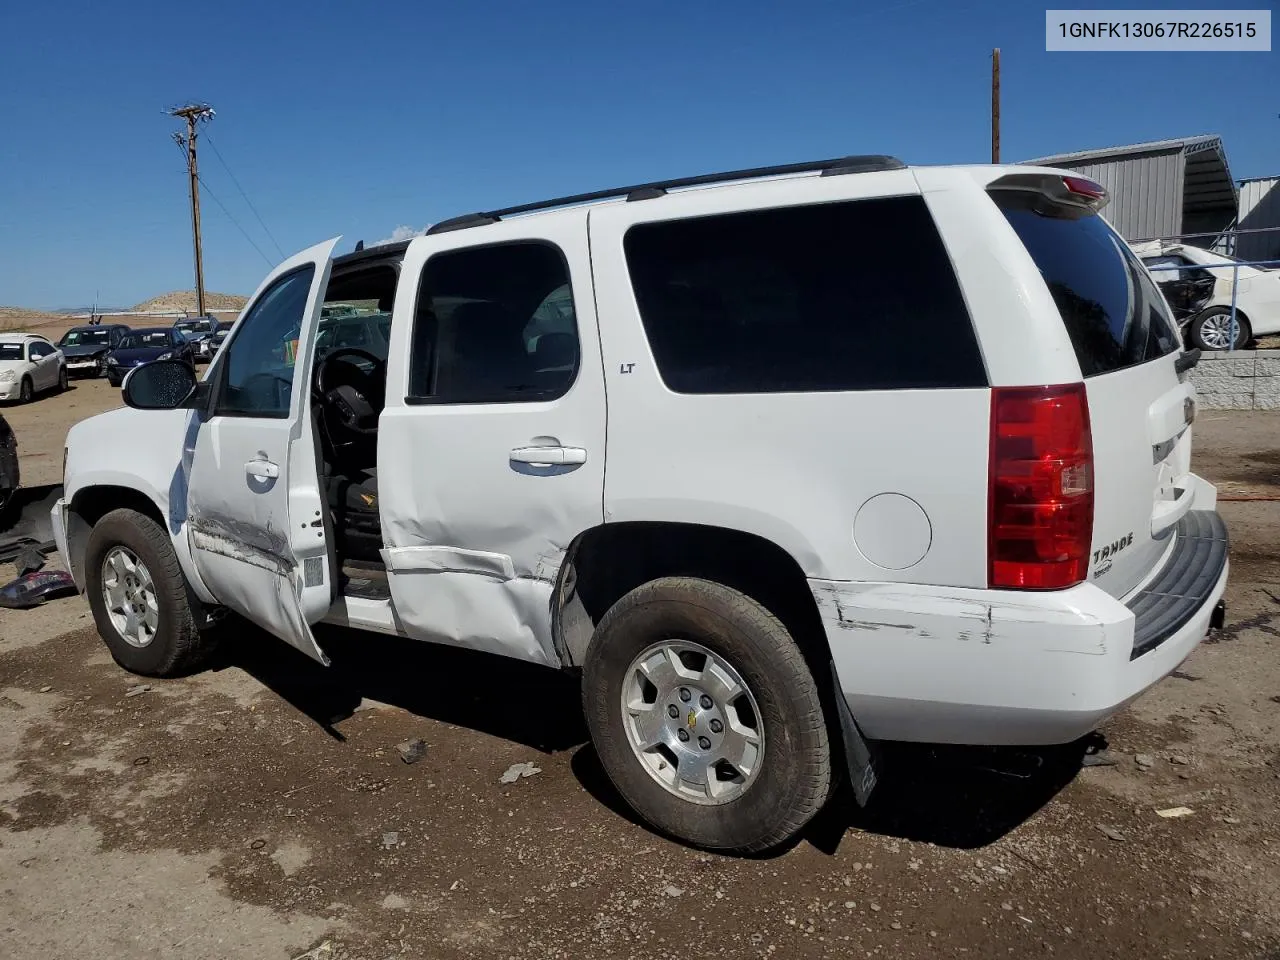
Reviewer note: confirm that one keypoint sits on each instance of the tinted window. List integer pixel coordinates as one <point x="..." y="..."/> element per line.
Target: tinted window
<point x="1113" y="312"/>
<point x="80" y="338"/>
<point x="842" y="296"/>
<point x="258" y="364"/>
<point x="39" y="350"/>
<point x="474" y="337"/>
<point x="10" y="351"/>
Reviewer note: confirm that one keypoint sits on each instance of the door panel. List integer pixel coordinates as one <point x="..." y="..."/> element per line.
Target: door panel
<point x="493" y="431"/>
<point x="255" y="512"/>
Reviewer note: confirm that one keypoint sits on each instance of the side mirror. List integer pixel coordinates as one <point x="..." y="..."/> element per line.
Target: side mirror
<point x="160" y="385"/>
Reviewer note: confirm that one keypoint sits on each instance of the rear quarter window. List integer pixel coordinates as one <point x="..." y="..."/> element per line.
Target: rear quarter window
<point x="1112" y="310"/>
<point x="856" y="295"/>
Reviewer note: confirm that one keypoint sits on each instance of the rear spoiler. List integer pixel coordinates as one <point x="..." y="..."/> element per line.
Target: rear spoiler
<point x="1062" y="190"/>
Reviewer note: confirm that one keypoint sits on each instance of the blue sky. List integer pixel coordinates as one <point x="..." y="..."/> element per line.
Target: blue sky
<point x="358" y="118"/>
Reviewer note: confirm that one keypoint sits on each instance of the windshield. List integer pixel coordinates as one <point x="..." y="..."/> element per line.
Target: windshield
<point x="193" y="326"/>
<point x="145" y="338"/>
<point x="80" y="338"/>
<point x="10" y="351"/>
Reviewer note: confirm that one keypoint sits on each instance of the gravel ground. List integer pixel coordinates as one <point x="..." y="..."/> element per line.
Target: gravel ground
<point x="262" y="809"/>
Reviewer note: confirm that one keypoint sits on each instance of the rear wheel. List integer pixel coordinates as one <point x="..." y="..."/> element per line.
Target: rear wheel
<point x="1211" y="330"/>
<point x="139" y="599"/>
<point x="706" y="717"/>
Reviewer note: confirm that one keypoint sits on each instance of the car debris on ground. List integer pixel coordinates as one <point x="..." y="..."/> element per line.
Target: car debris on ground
<point x="411" y="751"/>
<point x="518" y="770"/>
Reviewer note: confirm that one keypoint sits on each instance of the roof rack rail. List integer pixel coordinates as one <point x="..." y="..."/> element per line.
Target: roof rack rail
<point x="647" y="191"/>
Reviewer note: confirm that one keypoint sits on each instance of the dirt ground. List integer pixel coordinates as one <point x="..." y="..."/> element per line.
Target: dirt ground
<point x="260" y="809"/>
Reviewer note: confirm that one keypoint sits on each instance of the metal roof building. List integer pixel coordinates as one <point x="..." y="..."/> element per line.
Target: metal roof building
<point x="1164" y="188"/>
<point x="1259" y="210"/>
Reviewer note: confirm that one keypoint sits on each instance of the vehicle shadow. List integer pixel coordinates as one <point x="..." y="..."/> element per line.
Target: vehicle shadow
<point x="527" y="704"/>
<point x="958" y="797"/>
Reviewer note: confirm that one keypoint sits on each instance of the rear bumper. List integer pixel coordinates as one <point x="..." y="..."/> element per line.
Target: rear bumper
<point x="939" y="665"/>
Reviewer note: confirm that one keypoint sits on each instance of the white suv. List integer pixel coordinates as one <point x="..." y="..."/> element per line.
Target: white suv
<point x="786" y="461"/>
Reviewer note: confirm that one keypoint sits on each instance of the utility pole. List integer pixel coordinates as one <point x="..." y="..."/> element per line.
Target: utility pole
<point x="995" y="105"/>
<point x="194" y="114"/>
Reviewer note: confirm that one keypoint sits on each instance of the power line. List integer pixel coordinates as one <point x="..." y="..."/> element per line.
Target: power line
<point x="214" y="197"/>
<point x="261" y="222"/>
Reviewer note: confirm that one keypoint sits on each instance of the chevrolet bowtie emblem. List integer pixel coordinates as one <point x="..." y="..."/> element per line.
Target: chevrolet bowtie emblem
<point x="693" y="719"/>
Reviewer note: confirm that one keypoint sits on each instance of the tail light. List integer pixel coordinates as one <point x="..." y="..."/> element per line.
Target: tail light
<point x="1040" y="509"/>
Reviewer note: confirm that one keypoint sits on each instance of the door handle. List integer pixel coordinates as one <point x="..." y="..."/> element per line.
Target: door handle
<point x="262" y="469"/>
<point x="548" y="455"/>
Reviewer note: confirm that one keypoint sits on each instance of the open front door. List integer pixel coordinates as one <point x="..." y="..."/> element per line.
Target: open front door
<point x="255" y="510"/>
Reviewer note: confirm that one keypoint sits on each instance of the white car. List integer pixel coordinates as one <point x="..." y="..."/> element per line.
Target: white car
<point x="29" y="364"/>
<point x="672" y="436"/>
<point x="1257" y="293"/>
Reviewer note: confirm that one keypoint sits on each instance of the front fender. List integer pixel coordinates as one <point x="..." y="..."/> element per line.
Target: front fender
<point x="138" y="452"/>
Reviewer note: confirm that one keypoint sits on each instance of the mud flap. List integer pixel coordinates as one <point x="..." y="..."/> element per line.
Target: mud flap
<point x="857" y="752"/>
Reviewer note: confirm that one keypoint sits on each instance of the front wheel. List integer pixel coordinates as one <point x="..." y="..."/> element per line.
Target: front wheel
<point x="138" y="596"/>
<point x="62" y="380"/>
<point x="706" y="717"/>
<point x="27" y="392"/>
<point x="1211" y="330"/>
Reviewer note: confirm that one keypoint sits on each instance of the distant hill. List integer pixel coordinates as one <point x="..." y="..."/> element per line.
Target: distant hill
<point x="186" y="300"/>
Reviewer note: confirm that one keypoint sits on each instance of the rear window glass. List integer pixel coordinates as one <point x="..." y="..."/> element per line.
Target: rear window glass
<point x="834" y="297"/>
<point x="1113" y="312"/>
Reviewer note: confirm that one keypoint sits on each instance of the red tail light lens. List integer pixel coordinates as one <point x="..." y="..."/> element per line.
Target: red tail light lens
<point x="1085" y="187"/>
<point x="1040" y="512"/>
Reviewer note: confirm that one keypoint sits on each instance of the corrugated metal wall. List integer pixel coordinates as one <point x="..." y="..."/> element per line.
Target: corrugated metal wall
<point x="1146" y="192"/>
<point x="1259" y="207"/>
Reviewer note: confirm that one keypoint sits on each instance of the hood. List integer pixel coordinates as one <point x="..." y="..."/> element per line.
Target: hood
<point x="134" y="355"/>
<point x="84" y="349"/>
<point x="13" y="364"/>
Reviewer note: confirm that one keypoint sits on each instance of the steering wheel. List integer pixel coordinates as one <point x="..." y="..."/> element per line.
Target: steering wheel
<point x="350" y="402"/>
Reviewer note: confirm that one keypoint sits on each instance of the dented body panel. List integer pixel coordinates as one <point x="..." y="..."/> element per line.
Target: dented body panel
<point x="940" y="665"/>
<point x="256" y="527"/>
<point x="475" y="537"/>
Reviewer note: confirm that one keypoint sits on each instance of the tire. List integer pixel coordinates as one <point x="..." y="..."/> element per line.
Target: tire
<point x="177" y="645"/>
<point x="26" y="392"/>
<point x="792" y="774"/>
<point x="1209" y="330"/>
<point x="62" y="380"/>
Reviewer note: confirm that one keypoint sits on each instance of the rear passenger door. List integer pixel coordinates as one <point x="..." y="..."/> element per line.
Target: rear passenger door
<point x="45" y="358"/>
<point x="491" y="445"/>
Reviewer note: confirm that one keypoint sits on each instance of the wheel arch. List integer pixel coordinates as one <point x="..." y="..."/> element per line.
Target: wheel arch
<point x="606" y="562"/>
<point x="91" y="502"/>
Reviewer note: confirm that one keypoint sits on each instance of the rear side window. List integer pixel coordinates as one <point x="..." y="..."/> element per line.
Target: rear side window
<point x="1113" y="312"/>
<point x="494" y="324"/>
<point x="834" y="297"/>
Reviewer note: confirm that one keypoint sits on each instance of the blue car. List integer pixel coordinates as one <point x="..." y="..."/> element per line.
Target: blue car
<point x="143" y="346"/>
